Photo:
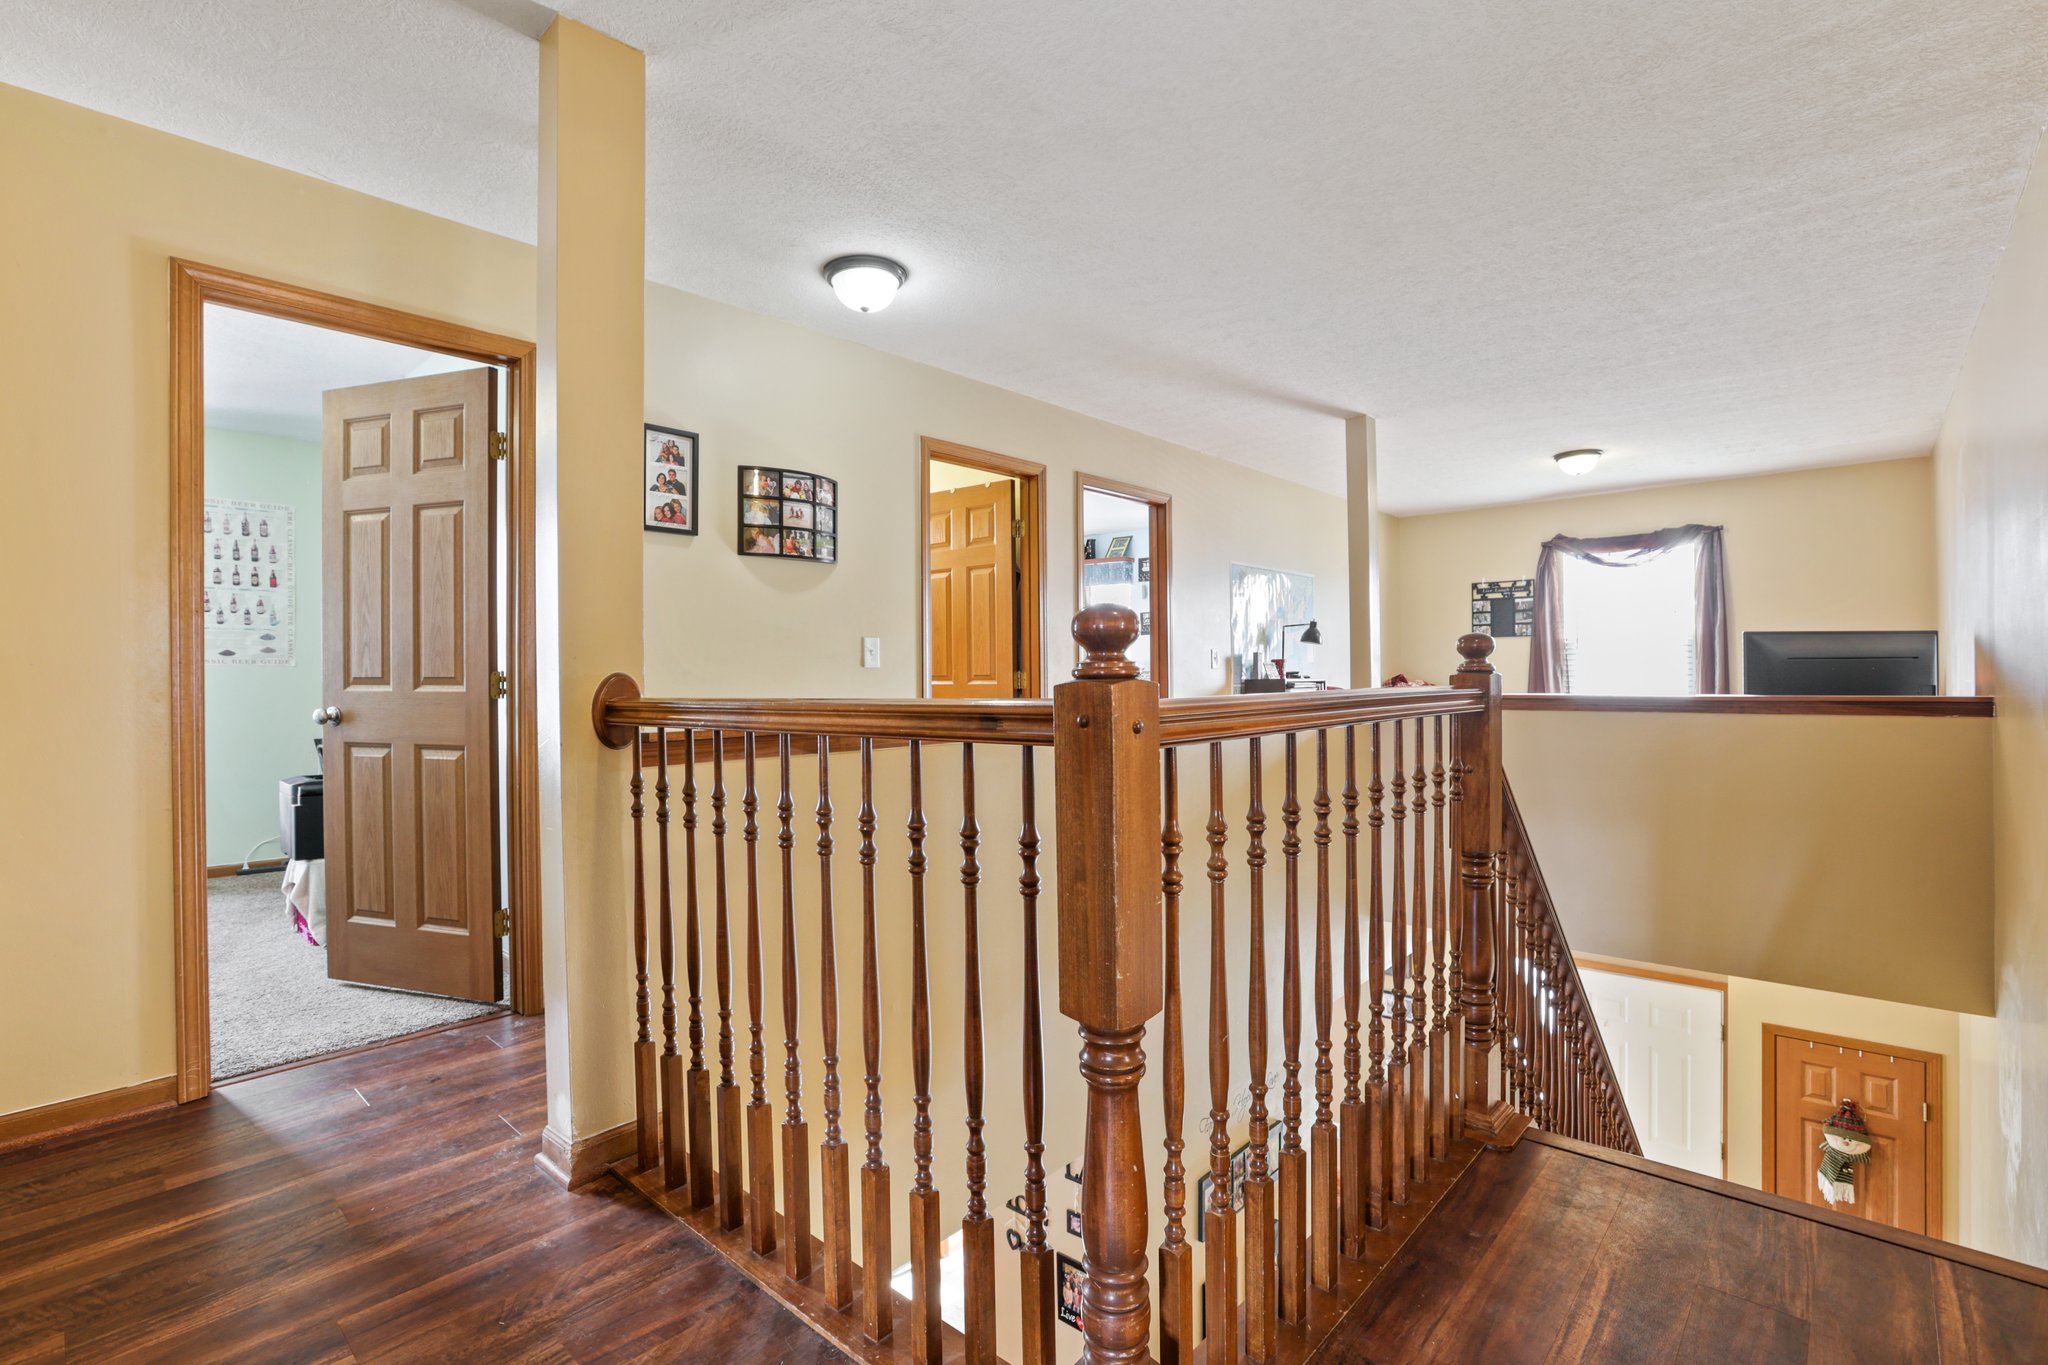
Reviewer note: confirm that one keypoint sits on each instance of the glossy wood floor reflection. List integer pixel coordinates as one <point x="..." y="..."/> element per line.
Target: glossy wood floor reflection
<point x="380" y="1206"/>
<point x="1548" y="1254"/>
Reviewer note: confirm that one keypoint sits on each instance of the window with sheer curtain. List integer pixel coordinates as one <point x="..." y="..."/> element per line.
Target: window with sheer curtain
<point x="1640" y="615"/>
<point x="1628" y="632"/>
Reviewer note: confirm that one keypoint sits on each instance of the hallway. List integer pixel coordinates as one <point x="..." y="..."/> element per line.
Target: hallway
<point x="379" y="1206"/>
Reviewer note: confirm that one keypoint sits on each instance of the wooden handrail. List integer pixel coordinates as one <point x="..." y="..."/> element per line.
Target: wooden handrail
<point x="1464" y="1009"/>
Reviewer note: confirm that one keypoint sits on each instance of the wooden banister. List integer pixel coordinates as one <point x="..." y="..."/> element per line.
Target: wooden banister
<point x="1463" y="1016"/>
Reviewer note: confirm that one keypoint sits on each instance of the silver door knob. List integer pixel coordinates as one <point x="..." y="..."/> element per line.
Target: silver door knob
<point x="327" y="715"/>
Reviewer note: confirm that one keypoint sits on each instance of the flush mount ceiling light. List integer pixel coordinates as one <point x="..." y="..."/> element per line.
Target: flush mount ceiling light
<point x="866" y="284"/>
<point x="1577" y="462"/>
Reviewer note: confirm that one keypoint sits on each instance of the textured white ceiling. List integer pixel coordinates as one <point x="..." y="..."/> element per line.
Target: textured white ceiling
<point x="266" y="375"/>
<point x="1715" y="239"/>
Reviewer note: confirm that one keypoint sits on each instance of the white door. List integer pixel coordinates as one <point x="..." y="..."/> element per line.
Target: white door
<point x="1666" y="1040"/>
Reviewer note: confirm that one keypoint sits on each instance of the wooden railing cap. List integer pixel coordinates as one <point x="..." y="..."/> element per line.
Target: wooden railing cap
<point x="1104" y="633"/>
<point x="1475" y="649"/>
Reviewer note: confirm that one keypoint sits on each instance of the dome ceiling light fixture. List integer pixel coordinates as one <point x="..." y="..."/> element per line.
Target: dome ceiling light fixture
<point x="866" y="284"/>
<point x="1578" y="462"/>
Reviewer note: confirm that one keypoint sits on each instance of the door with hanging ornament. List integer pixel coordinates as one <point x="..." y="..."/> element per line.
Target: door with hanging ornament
<point x="1897" y="1093"/>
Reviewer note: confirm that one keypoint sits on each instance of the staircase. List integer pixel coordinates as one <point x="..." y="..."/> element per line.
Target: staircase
<point x="1364" y="863"/>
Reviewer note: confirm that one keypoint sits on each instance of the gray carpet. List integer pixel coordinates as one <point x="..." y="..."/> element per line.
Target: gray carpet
<point x="272" y="1001"/>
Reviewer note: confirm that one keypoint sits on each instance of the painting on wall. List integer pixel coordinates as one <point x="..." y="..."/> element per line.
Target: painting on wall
<point x="247" y="583"/>
<point x="669" y="480"/>
<point x="1504" y="608"/>
<point x="789" y="514"/>
<point x="1262" y="601"/>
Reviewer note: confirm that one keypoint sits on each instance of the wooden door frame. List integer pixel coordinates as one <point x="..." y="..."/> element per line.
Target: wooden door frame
<point x="1030" y="478"/>
<point x="1677" y="977"/>
<point x="193" y="286"/>
<point x="1160" y="529"/>
<point x="1931" y="1176"/>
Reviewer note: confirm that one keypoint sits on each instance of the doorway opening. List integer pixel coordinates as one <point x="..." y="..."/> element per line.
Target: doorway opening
<point x="353" y="715"/>
<point x="981" y="556"/>
<point x="1124" y="557"/>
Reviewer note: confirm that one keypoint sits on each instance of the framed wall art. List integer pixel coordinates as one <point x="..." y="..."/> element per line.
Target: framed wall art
<point x="669" y="480"/>
<point x="789" y="514"/>
<point x="1073" y="1283"/>
<point x="1504" y="608"/>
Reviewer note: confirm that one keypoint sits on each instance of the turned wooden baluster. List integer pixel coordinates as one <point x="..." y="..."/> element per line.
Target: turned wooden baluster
<point x="1418" y="970"/>
<point x="675" y="1151"/>
<point x="1399" y="1077"/>
<point x="1353" y="1126"/>
<point x="1439" y="934"/>
<point x="1478" y="751"/>
<point x="977" y="1229"/>
<point x="1219" y="1227"/>
<point x="796" y="1133"/>
<point x="646" y="1119"/>
<point x="1106" y="776"/>
<point x="1293" y="1187"/>
<point x="1177" y="1339"/>
<point x="832" y="1155"/>
<point x="1037" y="1270"/>
<point x="1261" y="1305"/>
<point x="698" y="1080"/>
<point x="878" y="1301"/>
<point x="1325" y="1219"/>
<point x="760" y="1117"/>
<point x="731" y="1164"/>
<point x="1455" y="931"/>
<point x="1379" y="1121"/>
<point x="927" y="1340"/>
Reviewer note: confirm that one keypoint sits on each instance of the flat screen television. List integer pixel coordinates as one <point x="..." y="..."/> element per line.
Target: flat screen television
<point x="1839" y="663"/>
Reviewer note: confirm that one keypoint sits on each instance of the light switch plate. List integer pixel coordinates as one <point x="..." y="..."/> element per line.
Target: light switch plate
<point x="871" y="651"/>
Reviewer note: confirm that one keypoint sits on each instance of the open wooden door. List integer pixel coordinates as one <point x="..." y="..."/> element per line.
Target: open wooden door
<point x="974" y="592"/>
<point x="411" y="817"/>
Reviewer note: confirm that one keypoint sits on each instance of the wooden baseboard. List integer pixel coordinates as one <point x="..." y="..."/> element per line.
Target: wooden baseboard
<point x="575" y="1164"/>
<point x="235" y="869"/>
<point x="33" y="1125"/>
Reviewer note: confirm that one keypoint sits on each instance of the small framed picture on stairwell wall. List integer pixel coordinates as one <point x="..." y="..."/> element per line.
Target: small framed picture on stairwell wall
<point x="668" y="483"/>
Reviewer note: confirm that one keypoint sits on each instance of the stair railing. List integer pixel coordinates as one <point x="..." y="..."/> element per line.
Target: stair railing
<point x="1406" y="894"/>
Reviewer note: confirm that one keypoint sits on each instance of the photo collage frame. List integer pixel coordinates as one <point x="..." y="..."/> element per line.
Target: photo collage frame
<point x="668" y="481"/>
<point x="789" y="514"/>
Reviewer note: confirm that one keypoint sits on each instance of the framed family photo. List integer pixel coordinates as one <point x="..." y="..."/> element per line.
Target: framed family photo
<point x="789" y="514"/>
<point x="1072" y="1281"/>
<point x="669" y="481"/>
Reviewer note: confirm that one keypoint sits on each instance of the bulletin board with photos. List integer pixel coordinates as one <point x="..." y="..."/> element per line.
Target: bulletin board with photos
<point x="789" y="513"/>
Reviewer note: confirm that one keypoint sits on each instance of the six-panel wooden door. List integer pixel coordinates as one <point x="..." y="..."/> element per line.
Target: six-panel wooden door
<point x="407" y="525"/>
<point x="974" y="591"/>
<point x="1900" y="1185"/>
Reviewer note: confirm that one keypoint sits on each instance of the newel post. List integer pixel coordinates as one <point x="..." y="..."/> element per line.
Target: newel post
<point x="1106" y="783"/>
<point x="1478" y="835"/>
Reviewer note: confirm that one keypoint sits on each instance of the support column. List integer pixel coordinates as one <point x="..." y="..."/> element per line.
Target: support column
<point x="592" y="231"/>
<point x="1362" y="512"/>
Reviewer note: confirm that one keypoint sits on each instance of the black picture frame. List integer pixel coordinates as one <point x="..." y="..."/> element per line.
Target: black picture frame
<point x="671" y="459"/>
<point x="788" y="514"/>
<point x="1069" y="1285"/>
<point x="1240" y="1168"/>
<point x="1073" y="1222"/>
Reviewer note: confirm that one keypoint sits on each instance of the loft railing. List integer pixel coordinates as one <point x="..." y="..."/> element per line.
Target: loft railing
<point x="1461" y="1016"/>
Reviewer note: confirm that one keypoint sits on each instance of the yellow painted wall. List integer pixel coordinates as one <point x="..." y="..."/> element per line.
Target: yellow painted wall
<point x="1839" y="853"/>
<point x="1846" y="548"/>
<point x="84" y="369"/>
<point x="1992" y="492"/>
<point x="95" y="210"/>
<point x="719" y="624"/>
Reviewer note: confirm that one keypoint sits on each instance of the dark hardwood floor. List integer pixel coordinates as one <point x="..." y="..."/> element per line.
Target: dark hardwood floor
<point x="380" y="1206"/>
<point x="1548" y="1254"/>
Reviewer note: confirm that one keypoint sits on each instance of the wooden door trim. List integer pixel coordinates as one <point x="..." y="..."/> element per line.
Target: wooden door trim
<point x="1161" y="536"/>
<point x="1031" y="604"/>
<point x="193" y="286"/>
<point x="1677" y="977"/>
<point x="1931" y="1176"/>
